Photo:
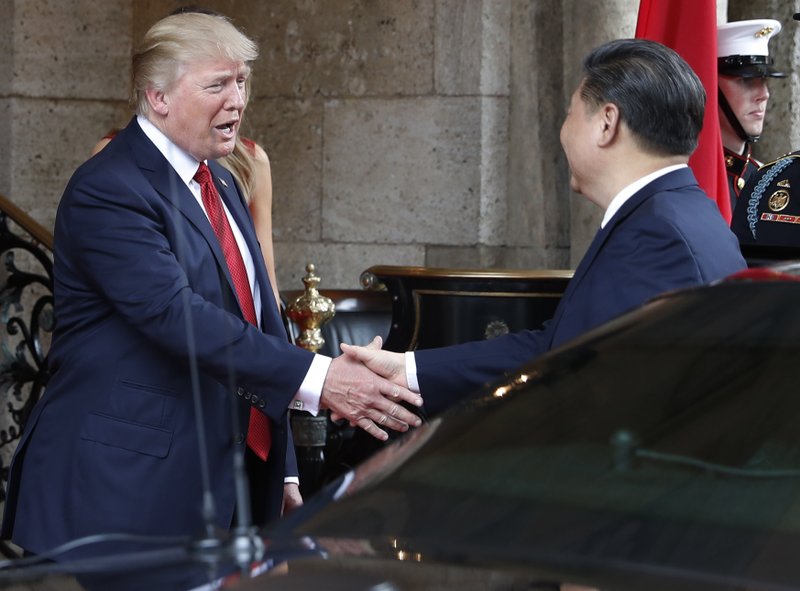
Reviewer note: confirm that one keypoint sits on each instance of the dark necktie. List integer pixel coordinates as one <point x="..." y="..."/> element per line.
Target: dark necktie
<point x="258" y="432"/>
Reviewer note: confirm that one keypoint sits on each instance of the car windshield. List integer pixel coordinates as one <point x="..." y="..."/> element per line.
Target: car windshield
<point x="666" y="439"/>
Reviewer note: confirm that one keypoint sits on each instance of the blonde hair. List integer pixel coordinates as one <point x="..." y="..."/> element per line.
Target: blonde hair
<point x="241" y="164"/>
<point x="177" y="40"/>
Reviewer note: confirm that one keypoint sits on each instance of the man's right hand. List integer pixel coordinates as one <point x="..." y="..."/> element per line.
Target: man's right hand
<point x="387" y="364"/>
<point x="352" y="392"/>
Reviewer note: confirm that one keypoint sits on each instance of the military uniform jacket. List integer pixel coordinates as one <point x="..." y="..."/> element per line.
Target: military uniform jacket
<point x="768" y="210"/>
<point x="739" y="168"/>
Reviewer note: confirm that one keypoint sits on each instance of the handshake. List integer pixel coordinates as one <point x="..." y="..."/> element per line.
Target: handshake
<point x="366" y="386"/>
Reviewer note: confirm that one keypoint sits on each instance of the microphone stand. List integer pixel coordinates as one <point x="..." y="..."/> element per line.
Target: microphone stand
<point x="244" y="545"/>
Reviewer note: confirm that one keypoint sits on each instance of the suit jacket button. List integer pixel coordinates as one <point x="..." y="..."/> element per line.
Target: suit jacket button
<point x="254" y="399"/>
<point x="240" y="391"/>
<point x="239" y="439"/>
<point x="261" y="404"/>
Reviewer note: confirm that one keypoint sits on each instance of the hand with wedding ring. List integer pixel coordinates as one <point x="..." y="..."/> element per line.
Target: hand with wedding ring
<point x="367" y="400"/>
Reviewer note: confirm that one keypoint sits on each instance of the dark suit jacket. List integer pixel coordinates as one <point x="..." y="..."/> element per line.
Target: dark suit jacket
<point x="142" y="289"/>
<point x="667" y="236"/>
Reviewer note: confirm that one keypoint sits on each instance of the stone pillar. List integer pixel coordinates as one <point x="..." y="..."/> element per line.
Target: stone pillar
<point x="538" y="207"/>
<point x="472" y="70"/>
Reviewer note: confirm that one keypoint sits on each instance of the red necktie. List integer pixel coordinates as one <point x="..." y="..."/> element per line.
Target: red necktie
<point x="258" y="434"/>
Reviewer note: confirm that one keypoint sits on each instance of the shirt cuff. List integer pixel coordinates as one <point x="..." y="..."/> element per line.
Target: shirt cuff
<point x="307" y="397"/>
<point x="292" y="480"/>
<point x="411" y="372"/>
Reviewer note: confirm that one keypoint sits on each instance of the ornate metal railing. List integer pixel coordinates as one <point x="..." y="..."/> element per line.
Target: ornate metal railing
<point x="26" y="314"/>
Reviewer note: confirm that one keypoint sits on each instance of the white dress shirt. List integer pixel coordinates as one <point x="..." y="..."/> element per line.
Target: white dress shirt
<point x="308" y="396"/>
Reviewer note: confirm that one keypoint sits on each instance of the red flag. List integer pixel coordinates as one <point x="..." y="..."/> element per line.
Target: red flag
<point x="690" y="28"/>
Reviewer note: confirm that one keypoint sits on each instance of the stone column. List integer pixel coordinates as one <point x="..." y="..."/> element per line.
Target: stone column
<point x="472" y="70"/>
<point x="538" y="209"/>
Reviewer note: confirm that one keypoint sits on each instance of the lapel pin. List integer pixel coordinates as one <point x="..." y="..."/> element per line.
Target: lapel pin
<point x="224" y="184"/>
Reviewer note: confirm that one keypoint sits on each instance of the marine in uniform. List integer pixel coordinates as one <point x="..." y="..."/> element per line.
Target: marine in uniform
<point x="744" y="65"/>
<point x="766" y="219"/>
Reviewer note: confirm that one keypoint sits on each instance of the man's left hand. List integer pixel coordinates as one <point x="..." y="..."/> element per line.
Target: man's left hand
<point x="292" y="499"/>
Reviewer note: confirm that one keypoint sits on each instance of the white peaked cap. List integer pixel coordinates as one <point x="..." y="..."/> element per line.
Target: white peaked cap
<point x="746" y="37"/>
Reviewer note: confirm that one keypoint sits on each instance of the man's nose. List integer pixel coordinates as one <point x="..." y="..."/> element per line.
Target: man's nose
<point x="237" y="98"/>
<point x="763" y="90"/>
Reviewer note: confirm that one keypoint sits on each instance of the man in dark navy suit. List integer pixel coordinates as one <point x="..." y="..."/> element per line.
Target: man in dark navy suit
<point x="164" y="323"/>
<point x="631" y="126"/>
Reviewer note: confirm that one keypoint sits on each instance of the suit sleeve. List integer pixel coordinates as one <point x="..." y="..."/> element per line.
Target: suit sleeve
<point x="154" y="270"/>
<point x="637" y="263"/>
<point x="449" y="374"/>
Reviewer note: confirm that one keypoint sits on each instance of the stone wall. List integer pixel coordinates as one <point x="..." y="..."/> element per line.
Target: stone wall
<point x="414" y="132"/>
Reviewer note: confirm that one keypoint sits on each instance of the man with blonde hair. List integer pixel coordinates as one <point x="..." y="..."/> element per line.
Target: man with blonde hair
<point x="169" y="356"/>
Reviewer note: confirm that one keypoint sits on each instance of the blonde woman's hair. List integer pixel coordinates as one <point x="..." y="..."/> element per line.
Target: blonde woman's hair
<point x="177" y="40"/>
<point x="241" y="163"/>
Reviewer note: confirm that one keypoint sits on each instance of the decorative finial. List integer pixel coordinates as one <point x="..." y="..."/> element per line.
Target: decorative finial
<point x="310" y="311"/>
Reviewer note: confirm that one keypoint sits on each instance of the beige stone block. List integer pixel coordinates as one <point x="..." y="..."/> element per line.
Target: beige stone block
<point x="75" y="48"/>
<point x="402" y="171"/>
<point x="318" y="47"/>
<point x="147" y="12"/>
<point x="493" y="215"/>
<point x="291" y="133"/>
<point x="49" y="140"/>
<point x="346" y="49"/>
<point x="538" y="184"/>
<point x="5" y="146"/>
<point x="473" y="47"/>
<point x="6" y="47"/>
<point x="339" y="266"/>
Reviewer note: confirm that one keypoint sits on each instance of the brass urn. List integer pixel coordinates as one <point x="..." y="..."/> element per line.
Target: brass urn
<point x="310" y="311"/>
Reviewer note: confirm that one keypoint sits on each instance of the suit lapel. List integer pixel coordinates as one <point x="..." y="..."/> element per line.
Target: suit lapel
<point x="169" y="185"/>
<point x="270" y="320"/>
<point x="672" y="180"/>
<point x="229" y="193"/>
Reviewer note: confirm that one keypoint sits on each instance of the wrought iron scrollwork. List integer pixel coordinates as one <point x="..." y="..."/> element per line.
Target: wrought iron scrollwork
<point x="26" y="312"/>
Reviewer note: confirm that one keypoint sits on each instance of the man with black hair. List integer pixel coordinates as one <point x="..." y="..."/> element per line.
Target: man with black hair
<point x="631" y="126"/>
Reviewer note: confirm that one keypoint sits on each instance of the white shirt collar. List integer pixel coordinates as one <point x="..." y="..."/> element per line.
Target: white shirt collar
<point x="619" y="200"/>
<point x="183" y="163"/>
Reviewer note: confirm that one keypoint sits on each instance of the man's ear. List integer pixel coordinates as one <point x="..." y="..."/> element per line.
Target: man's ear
<point x="158" y="100"/>
<point x="610" y="121"/>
